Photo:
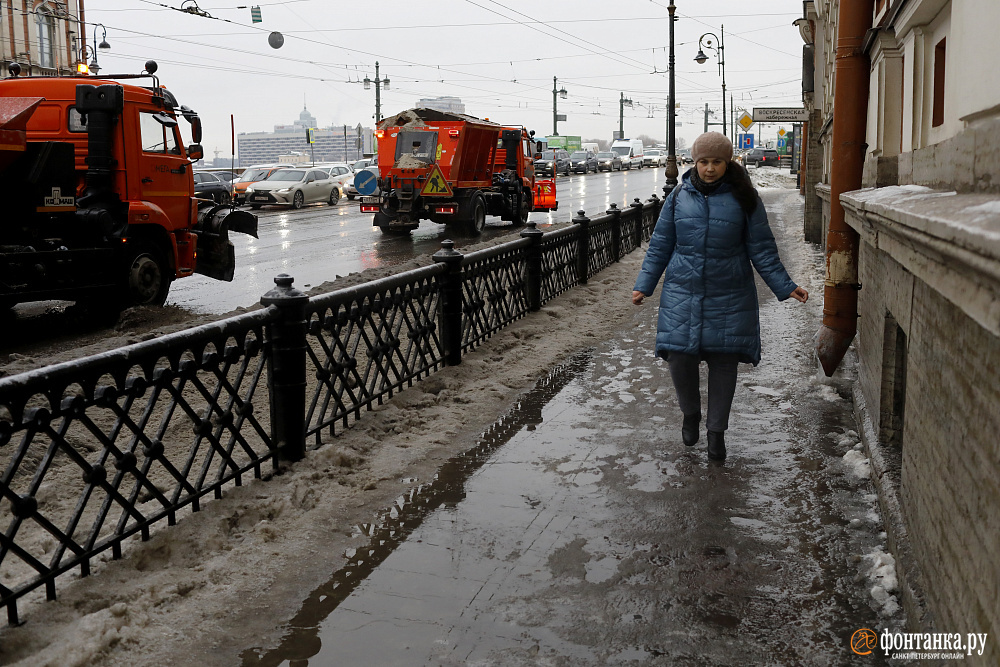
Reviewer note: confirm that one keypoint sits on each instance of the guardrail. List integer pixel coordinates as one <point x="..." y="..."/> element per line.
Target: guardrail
<point x="98" y="450"/>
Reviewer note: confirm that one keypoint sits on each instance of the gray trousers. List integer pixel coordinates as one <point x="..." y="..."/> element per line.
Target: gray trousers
<point x="721" y="385"/>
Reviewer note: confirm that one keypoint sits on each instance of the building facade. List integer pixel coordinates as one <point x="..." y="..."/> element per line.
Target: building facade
<point x="446" y="104"/>
<point x="330" y="144"/>
<point x="45" y="38"/>
<point x="927" y="221"/>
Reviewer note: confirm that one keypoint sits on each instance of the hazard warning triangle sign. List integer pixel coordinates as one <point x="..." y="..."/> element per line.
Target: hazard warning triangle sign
<point x="436" y="185"/>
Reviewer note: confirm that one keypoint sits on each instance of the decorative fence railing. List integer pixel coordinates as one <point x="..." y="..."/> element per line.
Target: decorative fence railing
<point x="99" y="449"/>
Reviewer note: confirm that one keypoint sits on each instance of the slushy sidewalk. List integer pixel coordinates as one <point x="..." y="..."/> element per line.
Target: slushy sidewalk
<point x="587" y="534"/>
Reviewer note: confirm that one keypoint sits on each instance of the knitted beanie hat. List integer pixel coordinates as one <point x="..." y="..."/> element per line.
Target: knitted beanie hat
<point x="712" y="145"/>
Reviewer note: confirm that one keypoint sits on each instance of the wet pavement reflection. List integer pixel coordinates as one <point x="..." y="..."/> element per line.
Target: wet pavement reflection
<point x="580" y="531"/>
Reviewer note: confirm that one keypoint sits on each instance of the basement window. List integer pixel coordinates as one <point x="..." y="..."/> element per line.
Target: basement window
<point x="937" y="117"/>
<point x="893" y="389"/>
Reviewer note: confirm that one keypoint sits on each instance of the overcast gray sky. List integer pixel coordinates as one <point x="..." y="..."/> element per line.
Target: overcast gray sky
<point x="498" y="57"/>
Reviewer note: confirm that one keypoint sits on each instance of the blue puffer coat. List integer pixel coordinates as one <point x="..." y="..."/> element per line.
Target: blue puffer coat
<point x="703" y="247"/>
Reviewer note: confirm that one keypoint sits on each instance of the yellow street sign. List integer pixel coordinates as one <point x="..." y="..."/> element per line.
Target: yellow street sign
<point x="745" y="121"/>
<point x="436" y="185"/>
<point x="781" y="132"/>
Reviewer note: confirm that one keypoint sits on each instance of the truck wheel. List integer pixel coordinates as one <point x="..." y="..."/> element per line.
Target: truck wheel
<point x="147" y="276"/>
<point x="334" y="196"/>
<point x="526" y="206"/>
<point x="298" y="199"/>
<point x="477" y="223"/>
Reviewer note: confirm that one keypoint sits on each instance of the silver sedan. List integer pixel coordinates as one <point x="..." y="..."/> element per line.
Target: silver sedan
<point x="295" y="188"/>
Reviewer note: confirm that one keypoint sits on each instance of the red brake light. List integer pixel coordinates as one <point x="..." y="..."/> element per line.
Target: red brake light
<point x="452" y="133"/>
<point x="369" y="208"/>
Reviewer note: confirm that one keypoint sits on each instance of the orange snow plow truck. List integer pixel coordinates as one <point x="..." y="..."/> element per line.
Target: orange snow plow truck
<point x="452" y="168"/>
<point x="100" y="205"/>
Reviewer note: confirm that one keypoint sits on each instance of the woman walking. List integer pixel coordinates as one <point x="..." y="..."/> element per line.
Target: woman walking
<point x="711" y="228"/>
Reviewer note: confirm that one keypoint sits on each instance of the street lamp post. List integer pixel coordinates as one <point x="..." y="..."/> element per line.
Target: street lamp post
<point x="622" y="103"/>
<point x="89" y="50"/>
<point x="720" y="53"/>
<point x="671" y="170"/>
<point x="379" y="85"/>
<point x="556" y="94"/>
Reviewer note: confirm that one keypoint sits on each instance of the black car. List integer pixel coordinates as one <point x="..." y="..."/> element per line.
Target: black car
<point x="553" y="161"/>
<point x="209" y="186"/>
<point x="583" y="161"/>
<point x="761" y="157"/>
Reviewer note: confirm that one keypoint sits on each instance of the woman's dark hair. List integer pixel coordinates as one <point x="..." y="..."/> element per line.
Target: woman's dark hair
<point x="743" y="189"/>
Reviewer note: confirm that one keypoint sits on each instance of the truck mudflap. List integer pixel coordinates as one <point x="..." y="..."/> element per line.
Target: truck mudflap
<point x="545" y="195"/>
<point x="216" y="255"/>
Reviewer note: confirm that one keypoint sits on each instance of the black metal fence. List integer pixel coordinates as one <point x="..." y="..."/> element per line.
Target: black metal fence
<point x="99" y="449"/>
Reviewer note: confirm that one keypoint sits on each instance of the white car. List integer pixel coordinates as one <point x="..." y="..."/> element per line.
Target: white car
<point x="295" y="188"/>
<point x="654" y="157"/>
<point x="339" y="172"/>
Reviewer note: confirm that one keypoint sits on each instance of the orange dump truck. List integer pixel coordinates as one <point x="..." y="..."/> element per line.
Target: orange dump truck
<point x="101" y="206"/>
<point x="452" y="168"/>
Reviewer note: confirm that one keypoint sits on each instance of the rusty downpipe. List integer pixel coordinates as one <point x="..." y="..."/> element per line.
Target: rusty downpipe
<point x="840" y="294"/>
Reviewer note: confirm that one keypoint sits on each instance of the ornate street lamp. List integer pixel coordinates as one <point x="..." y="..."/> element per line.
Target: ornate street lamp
<point x="720" y="52"/>
<point x="671" y="170"/>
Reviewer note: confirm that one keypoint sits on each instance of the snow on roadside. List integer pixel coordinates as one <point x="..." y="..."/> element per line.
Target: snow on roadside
<point x="882" y="574"/>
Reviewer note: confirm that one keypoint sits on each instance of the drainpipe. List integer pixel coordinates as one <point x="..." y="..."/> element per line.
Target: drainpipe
<point x="840" y="295"/>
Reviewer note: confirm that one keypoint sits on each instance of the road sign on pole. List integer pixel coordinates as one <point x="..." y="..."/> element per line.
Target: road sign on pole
<point x="745" y="121"/>
<point x="745" y="141"/>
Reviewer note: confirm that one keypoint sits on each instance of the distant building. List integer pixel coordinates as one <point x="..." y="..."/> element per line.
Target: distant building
<point x="449" y="104"/>
<point x="331" y="144"/>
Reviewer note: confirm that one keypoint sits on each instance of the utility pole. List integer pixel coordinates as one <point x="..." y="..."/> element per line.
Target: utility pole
<point x="706" y="116"/>
<point x="379" y="84"/>
<point x="622" y="103"/>
<point x="556" y="94"/>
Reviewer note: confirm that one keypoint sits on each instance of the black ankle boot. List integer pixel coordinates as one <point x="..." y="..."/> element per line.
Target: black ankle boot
<point x="689" y="431"/>
<point x="717" y="445"/>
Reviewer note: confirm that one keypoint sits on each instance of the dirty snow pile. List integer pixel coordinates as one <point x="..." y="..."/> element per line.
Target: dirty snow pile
<point x="882" y="574"/>
<point x="772" y="177"/>
<point x="202" y="591"/>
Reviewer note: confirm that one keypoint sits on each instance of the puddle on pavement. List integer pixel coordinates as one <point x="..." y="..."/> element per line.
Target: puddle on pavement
<point x="302" y="640"/>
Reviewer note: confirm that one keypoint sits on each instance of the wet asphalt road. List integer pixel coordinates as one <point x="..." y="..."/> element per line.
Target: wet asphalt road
<point x="580" y="531"/>
<point x="319" y="242"/>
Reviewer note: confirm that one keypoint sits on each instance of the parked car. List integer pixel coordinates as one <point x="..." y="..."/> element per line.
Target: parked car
<point x="209" y="186"/>
<point x="295" y="188"/>
<point x="654" y="157"/>
<point x="583" y="161"/>
<point x="250" y="176"/>
<point x="553" y="161"/>
<point x="761" y="157"/>
<point x="608" y="161"/>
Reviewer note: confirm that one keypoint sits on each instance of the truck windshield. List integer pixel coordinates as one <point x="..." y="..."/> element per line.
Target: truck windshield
<point x="621" y="150"/>
<point x="421" y="145"/>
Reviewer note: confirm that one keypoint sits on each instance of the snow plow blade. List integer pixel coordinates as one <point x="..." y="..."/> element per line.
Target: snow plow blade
<point x="216" y="255"/>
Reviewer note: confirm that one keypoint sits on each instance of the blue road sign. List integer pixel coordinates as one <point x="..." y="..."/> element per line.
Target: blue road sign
<point x="366" y="182"/>
<point x="746" y="141"/>
<point x="781" y="143"/>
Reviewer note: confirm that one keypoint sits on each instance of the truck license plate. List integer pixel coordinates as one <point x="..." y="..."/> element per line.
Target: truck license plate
<point x="371" y="200"/>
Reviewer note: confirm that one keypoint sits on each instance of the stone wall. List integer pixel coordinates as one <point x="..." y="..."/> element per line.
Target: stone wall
<point x="929" y="384"/>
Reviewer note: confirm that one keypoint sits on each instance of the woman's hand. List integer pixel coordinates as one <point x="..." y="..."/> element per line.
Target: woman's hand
<point x="799" y="294"/>
<point x="637" y="298"/>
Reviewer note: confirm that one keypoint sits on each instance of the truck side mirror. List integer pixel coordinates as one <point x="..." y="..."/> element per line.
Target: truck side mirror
<point x="195" y="152"/>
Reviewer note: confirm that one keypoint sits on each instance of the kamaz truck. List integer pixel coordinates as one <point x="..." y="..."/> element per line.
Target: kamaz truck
<point x="452" y="168"/>
<point x="100" y="203"/>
